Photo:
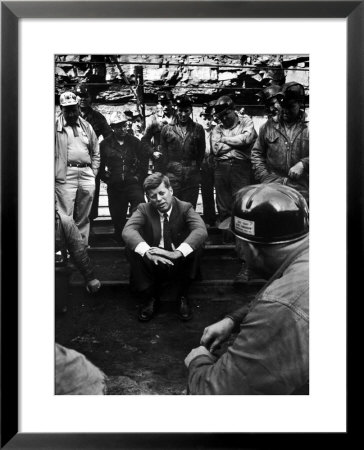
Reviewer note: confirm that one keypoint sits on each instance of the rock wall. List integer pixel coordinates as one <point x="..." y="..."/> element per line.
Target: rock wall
<point x="111" y="78"/>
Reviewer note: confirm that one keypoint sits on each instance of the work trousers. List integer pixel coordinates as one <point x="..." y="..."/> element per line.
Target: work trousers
<point x="230" y="176"/>
<point x="74" y="197"/>
<point x="148" y="277"/>
<point x="121" y="195"/>
<point x="94" y="213"/>
<point x="185" y="182"/>
<point x="207" y="192"/>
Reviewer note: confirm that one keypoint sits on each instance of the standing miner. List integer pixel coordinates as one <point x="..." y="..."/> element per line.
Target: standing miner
<point x="281" y="152"/>
<point x="183" y="146"/>
<point x="77" y="160"/>
<point x="231" y="143"/>
<point x="165" y="115"/>
<point x="124" y="165"/>
<point x="270" y="354"/>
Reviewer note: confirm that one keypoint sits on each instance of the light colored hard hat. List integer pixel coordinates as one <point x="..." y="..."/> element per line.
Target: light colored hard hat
<point x="118" y="117"/>
<point x="68" y="99"/>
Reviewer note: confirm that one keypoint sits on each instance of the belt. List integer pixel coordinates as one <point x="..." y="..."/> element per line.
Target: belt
<point x="230" y="161"/>
<point x="70" y="164"/>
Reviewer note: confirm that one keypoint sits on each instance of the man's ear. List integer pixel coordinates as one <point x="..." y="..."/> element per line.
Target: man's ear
<point x="171" y="190"/>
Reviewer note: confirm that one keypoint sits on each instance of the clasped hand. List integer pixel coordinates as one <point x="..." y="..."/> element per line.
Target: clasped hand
<point x="296" y="171"/>
<point x="161" y="256"/>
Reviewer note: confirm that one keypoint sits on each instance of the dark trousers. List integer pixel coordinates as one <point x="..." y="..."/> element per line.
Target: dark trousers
<point x="207" y="191"/>
<point x="94" y="213"/>
<point x="186" y="183"/>
<point x="120" y="196"/>
<point x="146" y="277"/>
<point x="230" y="176"/>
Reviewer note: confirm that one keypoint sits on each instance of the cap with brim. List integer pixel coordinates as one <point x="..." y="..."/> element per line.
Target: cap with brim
<point x="68" y="99"/>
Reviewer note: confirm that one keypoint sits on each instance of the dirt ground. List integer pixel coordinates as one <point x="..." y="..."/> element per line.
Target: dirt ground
<point x="138" y="358"/>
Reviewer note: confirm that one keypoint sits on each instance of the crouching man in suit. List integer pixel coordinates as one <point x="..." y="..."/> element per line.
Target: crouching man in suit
<point x="163" y="239"/>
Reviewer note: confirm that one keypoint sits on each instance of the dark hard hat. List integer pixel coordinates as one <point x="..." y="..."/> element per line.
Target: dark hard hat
<point x="223" y="104"/>
<point x="269" y="92"/>
<point x="183" y="101"/>
<point x="293" y="91"/>
<point x="269" y="214"/>
<point x="82" y="91"/>
<point x="207" y="111"/>
<point x="165" y="96"/>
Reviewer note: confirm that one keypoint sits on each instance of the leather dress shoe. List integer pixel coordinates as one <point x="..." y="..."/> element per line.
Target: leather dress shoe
<point x="184" y="309"/>
<point x="147" y="310"/>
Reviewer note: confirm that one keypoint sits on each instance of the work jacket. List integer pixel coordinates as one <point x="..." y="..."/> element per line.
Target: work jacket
<point x="68" y="237"/>
<point x="274" y="154"/>
<point x="188" y="149"/>
<point x="270" y="355"/>
<point x="90" y="139"/>
<point x="126" y="163"/>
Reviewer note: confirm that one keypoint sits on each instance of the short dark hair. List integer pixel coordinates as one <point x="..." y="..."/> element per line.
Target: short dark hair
<point x="154" y="180"/>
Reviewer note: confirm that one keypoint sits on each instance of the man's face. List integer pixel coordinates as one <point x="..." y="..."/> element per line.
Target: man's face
<point x="274" y="107"/>
<point x="85" y="102"/>
<point x="120" y="130"/>
<point x="166" y="107"/>
<point x="138" y="125"/>
<point x="161" y="197"/>
<point x="227" y="118"/>
<point x="290" y="110"/>
<point x="71" y="114"/>
<point x="184" y="113"/>
<point x="206" y="122"/>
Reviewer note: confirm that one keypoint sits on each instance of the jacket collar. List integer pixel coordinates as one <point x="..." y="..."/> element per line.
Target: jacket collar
<point x="61" y="123"/>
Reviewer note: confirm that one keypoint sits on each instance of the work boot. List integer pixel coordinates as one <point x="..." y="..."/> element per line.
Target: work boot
<point x="249" y="276"/>
<point x="184" y="308"/>
<point x="147" y="309"/>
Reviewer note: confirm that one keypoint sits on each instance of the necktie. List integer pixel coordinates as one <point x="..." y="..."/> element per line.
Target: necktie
<point x="167" y="233"/>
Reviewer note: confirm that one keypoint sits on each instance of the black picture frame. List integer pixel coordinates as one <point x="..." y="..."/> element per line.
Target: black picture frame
<point x="11" y="12"/>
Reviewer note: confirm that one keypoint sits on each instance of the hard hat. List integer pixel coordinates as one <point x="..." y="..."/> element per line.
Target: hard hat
<point x="183" y="101"/>
<point x="269" y="92"/>
<point x="293" y="91"/>
<point x="165" y="96"/>
<point x="118" y="117"/>
<point x="82" y="91"/>
<point x="223" y="104"/>
<point x="68" y="99"/>
<point x="207" y="111"/>
<point x="269" y="214"/>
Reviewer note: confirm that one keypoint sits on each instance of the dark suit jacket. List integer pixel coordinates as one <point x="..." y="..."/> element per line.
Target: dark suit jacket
<point x="144" y="225"/>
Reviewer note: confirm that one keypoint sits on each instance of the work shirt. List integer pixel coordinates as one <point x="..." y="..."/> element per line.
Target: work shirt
<point x="77" y="151"/>
<point x="61" y="147"/>
<point x="244" y="136"/>
<point x="143" y="247"/>
<point x="270" y="355"/>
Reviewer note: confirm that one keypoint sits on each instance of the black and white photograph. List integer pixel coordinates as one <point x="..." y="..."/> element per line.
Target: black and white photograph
<point x="182" y="224"/>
